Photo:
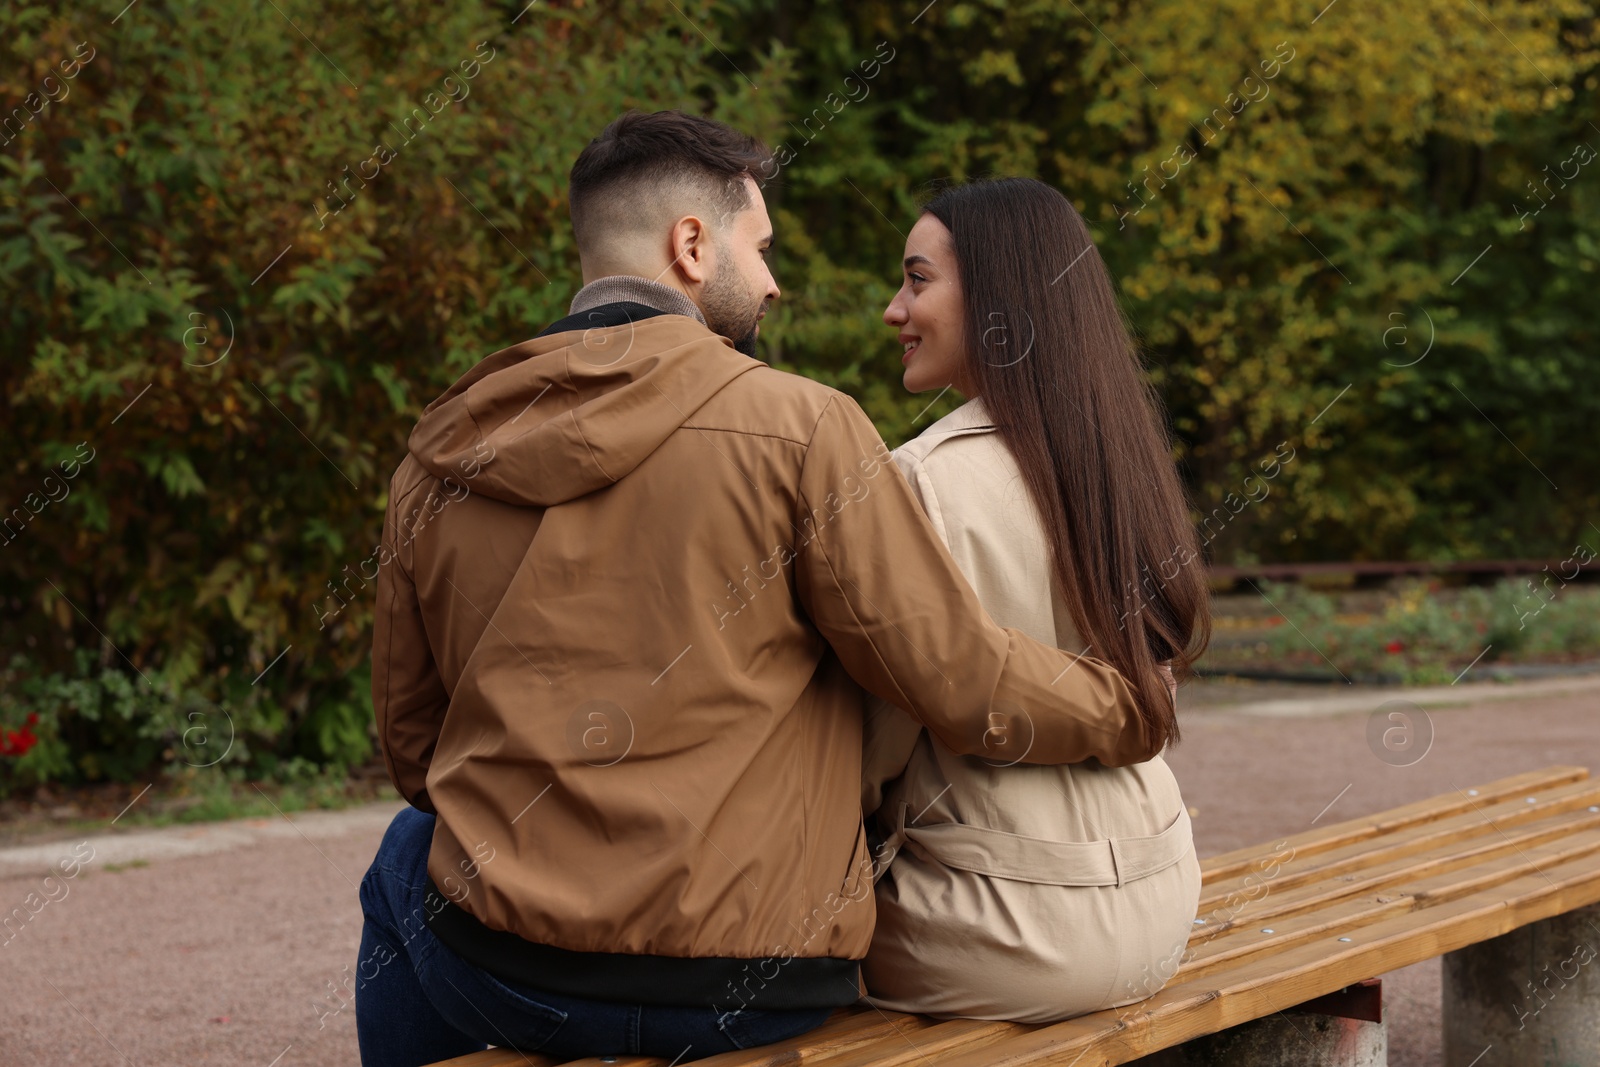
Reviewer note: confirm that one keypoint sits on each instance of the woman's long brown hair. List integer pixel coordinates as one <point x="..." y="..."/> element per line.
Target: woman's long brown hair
<point x="1050" y="353"/>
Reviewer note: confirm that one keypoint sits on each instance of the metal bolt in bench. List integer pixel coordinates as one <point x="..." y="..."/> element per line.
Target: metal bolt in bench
<point x="1502" y="880"/>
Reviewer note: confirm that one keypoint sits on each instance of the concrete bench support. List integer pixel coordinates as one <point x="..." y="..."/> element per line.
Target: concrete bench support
<point x="1531" y="996"/>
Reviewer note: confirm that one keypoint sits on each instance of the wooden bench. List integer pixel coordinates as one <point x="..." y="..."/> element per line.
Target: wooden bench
<point x="1300" y="924"/>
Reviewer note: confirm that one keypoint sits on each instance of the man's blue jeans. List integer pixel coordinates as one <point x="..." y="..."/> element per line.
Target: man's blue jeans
<point x="417" y="1002"/>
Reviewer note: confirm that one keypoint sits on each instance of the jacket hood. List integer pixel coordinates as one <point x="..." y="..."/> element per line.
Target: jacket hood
<point x="561" y="415"/>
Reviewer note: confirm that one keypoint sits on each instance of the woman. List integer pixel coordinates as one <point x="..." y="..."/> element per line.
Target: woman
<point x="1011" y="891"/>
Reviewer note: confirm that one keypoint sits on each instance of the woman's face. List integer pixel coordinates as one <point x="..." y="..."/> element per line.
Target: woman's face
<point x="928" y="311"/>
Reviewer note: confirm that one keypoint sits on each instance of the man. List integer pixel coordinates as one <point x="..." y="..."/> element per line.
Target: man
<point x="633" y="582"/>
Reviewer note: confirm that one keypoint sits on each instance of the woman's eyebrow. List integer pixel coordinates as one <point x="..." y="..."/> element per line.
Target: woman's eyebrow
<point x="915" y="260"/>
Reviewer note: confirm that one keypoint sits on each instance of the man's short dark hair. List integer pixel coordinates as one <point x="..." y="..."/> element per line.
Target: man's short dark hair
<point x="662" y="153"/>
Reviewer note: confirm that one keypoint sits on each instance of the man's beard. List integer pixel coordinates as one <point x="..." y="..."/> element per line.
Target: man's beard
<point x="729" y="310"/>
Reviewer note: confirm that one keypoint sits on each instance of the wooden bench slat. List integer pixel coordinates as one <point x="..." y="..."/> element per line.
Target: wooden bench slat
<point x="1263" y="986"/>
<point x="1294" y="930"/>
<point x="1391" y="877"/>
<point x="1275" y="902"/>
<point x="1474" y="819"/>
<point x="1310" y="842"/>
<point x="1477" y="821"/>
<point x="501" y="1057"/>
<point x="1405" y="896"/>
<point x="847" y="1031"/>
<point x="942" y="1039"/>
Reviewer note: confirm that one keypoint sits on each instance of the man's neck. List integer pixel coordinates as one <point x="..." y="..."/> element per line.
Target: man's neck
<point x="618" y="287"/>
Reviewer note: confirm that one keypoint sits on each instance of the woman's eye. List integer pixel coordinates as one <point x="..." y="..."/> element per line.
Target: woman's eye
<point x="915" y="277"/>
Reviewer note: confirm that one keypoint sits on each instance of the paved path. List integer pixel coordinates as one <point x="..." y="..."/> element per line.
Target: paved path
<point x="225" y="944"/>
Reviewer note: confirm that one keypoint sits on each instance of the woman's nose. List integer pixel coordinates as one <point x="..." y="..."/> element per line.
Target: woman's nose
<point x="894" y="314"/>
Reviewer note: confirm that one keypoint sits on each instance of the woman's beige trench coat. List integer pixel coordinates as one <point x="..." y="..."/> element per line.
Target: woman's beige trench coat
<point x="1022" y="892"/>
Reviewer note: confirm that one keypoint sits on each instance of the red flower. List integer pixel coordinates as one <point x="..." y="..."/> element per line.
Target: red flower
<point x="1394" y="646"/>
<point x="17" y="742"/>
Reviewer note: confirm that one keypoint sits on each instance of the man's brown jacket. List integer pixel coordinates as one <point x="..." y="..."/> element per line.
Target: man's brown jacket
<point x="632" y="585"/>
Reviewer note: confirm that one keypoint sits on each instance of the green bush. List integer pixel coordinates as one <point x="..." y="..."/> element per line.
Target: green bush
<point x="96" y="722"/>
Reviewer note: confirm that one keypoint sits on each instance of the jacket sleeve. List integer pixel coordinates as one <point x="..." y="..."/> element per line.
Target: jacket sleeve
<point x="408" y="696"/>
<point x="884" y="591"/>
<point x="889" y="736"/>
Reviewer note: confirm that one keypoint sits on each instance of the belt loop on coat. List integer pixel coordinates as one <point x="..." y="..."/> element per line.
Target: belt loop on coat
<point x="1117" y="863"/>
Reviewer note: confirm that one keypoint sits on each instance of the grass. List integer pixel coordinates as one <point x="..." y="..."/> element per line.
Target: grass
<point x="192" y="796"/>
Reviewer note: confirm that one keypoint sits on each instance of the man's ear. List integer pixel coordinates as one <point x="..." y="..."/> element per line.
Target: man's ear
<point x="691" y="250"/>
